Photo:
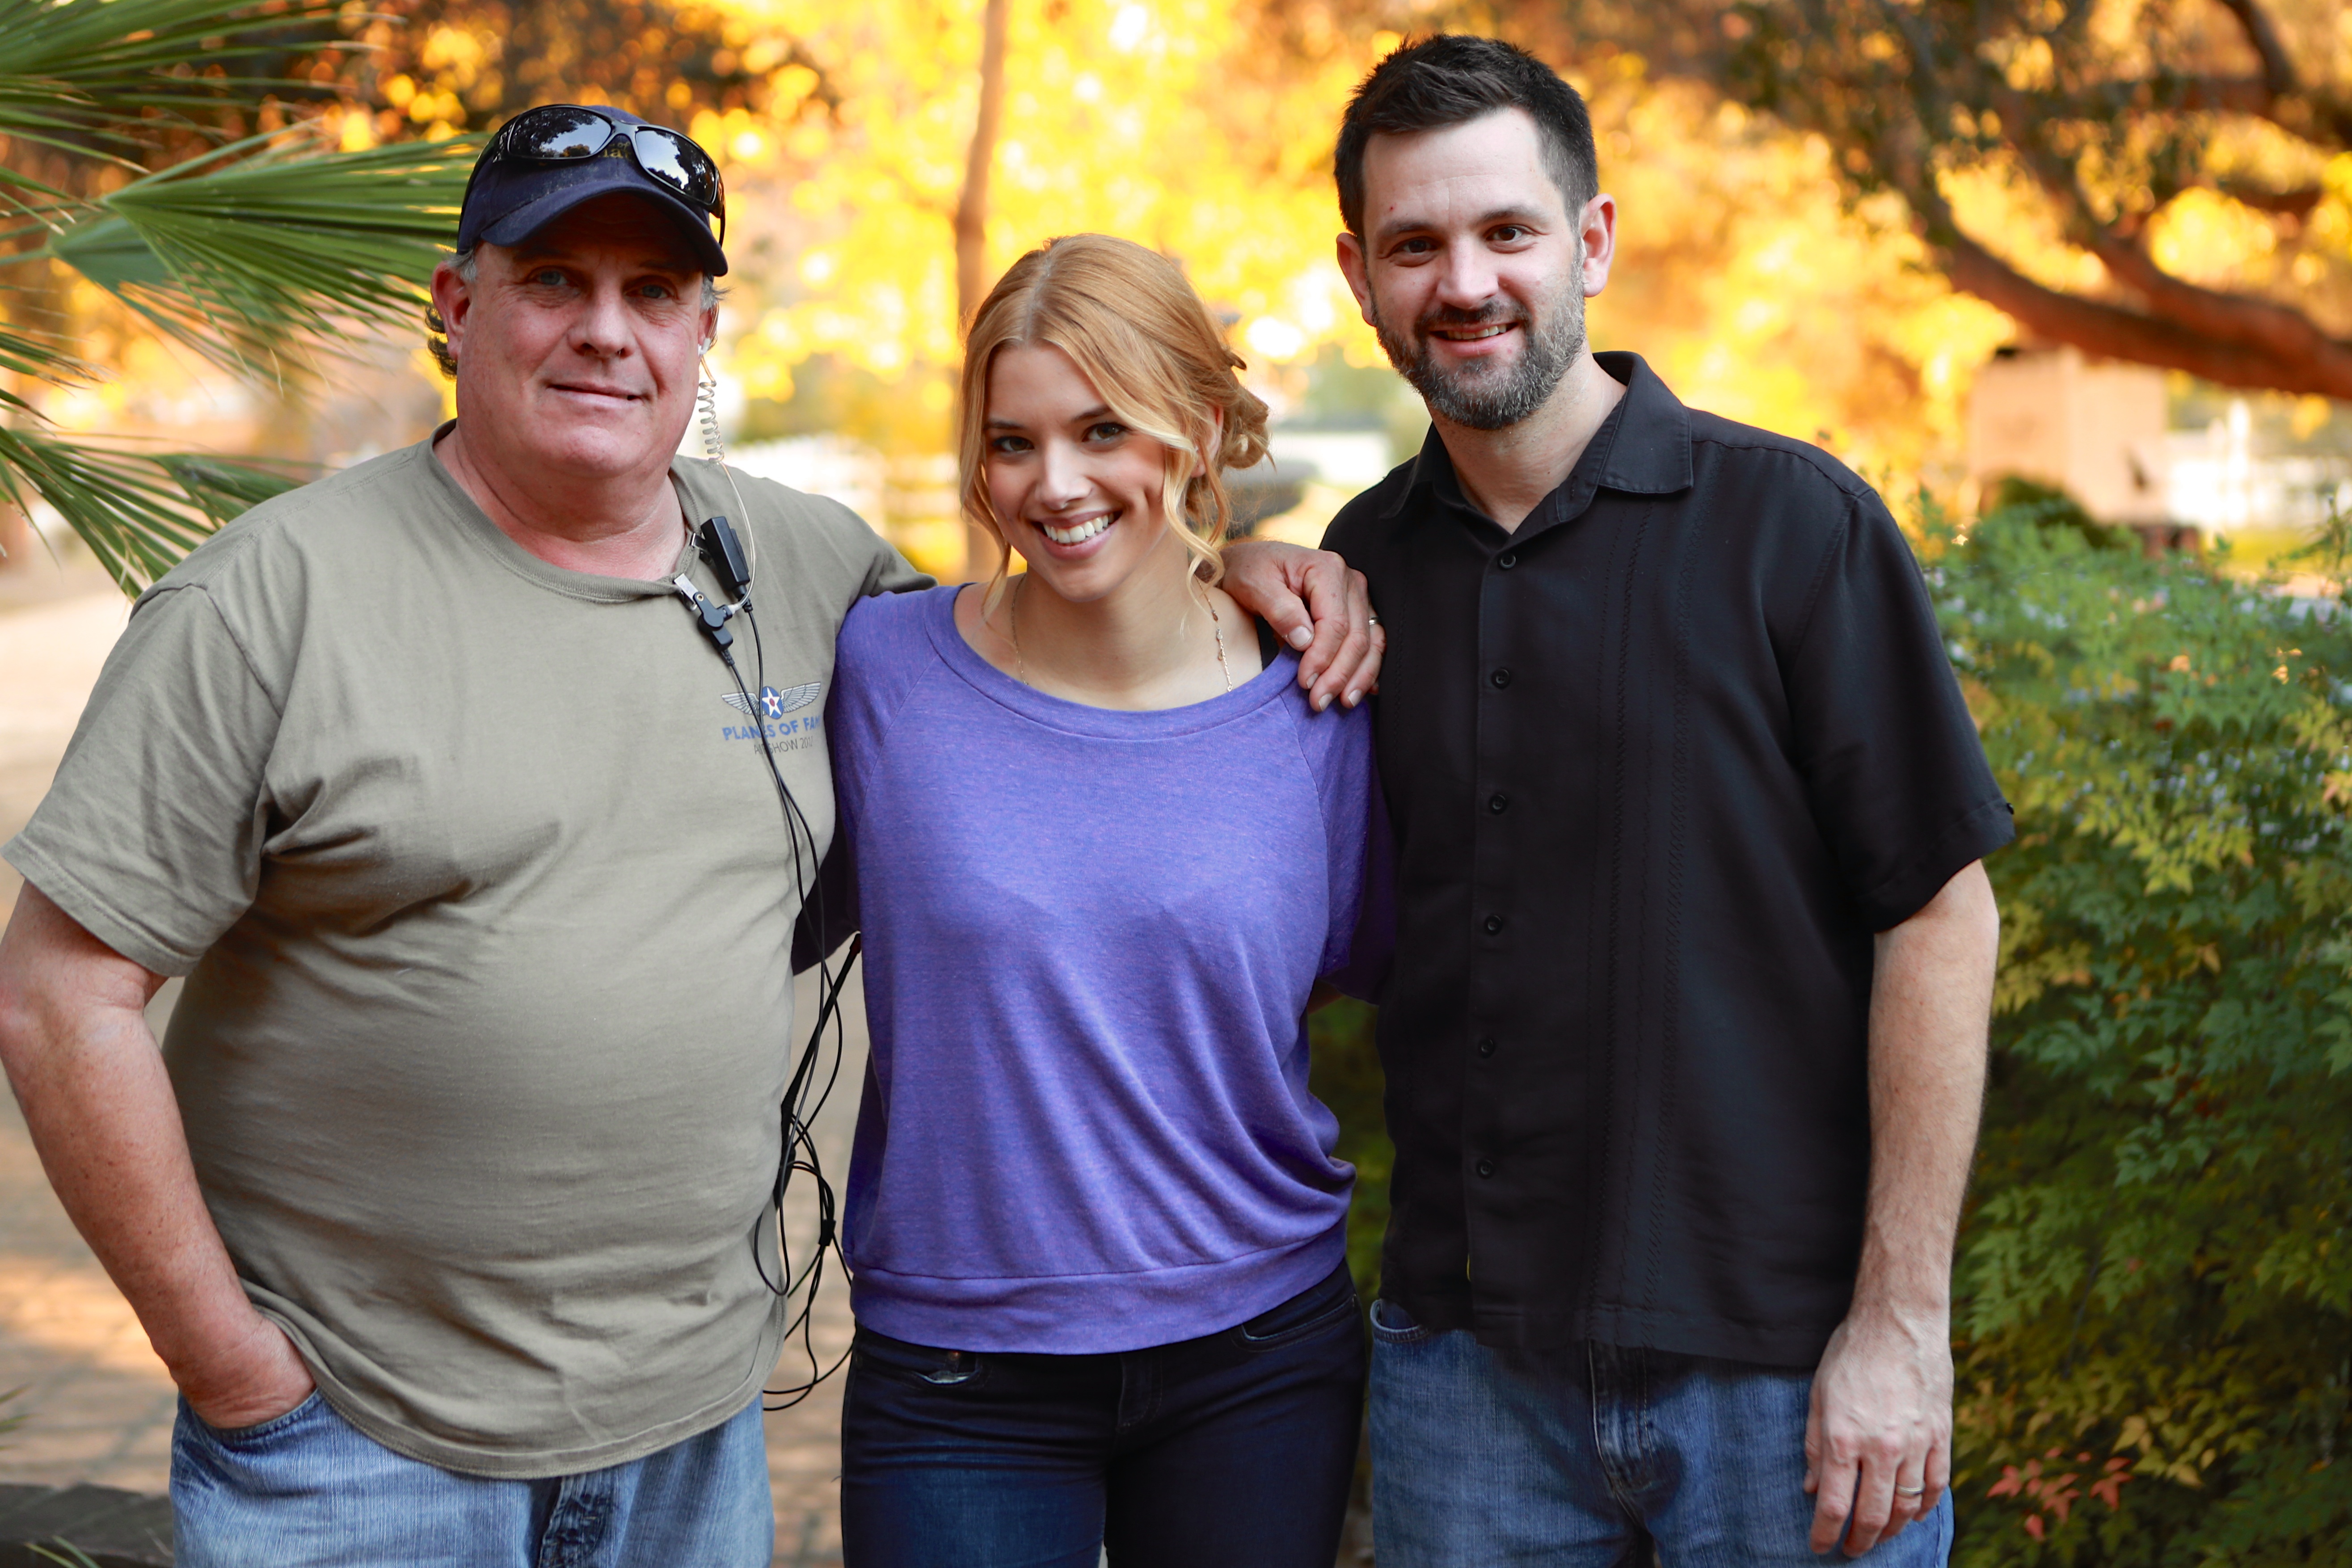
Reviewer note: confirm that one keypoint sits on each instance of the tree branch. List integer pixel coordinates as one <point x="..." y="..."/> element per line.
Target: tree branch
<point x="971" y="206"/>
<point x="2216" y="318"/>
<point x="2208" y="94"/>
<point x="2242" y="319"/>
<point x="2297" y="202"/>
<point x="1812" y="63"/>
<point x="2316" y="119"/>
<point x="2278" y="70"/>
<point x="2113" y="332"/>
<point x="2315" y="115"/>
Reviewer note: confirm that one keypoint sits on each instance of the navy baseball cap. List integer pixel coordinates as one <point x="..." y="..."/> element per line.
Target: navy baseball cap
<point x="546" y="160"/>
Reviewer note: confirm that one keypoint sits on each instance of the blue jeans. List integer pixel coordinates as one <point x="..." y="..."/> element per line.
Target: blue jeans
<point x="311" y="1488"/>
<point x="1580" y="1459"/>
<point x="1234" y="1448"/>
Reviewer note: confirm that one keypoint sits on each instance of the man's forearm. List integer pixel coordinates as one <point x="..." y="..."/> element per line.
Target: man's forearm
<point x="1878" y="1435"/>
<point x="1931" y="998"/>
<point x="98" y="1100"/>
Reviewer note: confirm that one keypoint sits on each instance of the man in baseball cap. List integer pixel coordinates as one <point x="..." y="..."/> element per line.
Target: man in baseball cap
<point x="449" y="1199"/>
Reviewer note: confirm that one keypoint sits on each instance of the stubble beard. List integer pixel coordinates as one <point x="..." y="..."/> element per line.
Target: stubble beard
<point x="1492" y="395"/>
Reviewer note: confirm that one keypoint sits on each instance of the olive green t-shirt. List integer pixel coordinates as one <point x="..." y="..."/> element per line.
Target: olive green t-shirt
<point x="485" y="899"/>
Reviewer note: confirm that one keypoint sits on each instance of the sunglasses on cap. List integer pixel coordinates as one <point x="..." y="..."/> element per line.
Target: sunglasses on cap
<point x="567" y="133"/>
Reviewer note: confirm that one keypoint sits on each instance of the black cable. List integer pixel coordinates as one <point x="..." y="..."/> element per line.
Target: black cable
<point x="797" y="1113"/>
<point x="797" y="1132"/>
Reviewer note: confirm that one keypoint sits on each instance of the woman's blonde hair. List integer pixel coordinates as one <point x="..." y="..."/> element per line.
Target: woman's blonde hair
<point x="1127" y="317"/>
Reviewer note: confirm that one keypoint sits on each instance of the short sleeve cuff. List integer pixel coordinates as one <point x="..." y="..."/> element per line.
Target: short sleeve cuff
<point x="1972" y="837"/>
<point x="142" y="946"/>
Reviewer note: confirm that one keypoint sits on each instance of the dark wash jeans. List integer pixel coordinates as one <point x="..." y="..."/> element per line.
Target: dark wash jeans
<point x="1233" y="1449"/>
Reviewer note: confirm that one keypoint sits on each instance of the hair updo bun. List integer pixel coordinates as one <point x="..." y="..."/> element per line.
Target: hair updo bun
<point x="1246" y="444"/>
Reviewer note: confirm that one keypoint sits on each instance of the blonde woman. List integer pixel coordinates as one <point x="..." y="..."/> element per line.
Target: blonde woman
<point x="1095" y="1225"/>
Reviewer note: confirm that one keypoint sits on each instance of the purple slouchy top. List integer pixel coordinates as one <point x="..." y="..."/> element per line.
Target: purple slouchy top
<point x="1089" y="939"/>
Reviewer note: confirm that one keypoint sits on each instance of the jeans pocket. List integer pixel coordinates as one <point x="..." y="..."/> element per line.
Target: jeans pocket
<point x="922" y="1364"/>
<point x="1317" y="1307"/>
<point x="260" y="1432"/>
<point x="1392" y="1325"/>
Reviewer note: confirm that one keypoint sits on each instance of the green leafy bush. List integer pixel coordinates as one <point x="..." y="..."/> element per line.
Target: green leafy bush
<point x="2155" y="1298"/>
<point x="1347" y="1078"/>
<point x="2154" y="1307"/>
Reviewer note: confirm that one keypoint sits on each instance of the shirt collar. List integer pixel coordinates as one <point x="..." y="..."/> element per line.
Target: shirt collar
<point x="1648" y="452"/>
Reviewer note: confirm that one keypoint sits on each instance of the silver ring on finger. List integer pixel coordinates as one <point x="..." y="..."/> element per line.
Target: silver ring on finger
<point x="1910" y="1492"/>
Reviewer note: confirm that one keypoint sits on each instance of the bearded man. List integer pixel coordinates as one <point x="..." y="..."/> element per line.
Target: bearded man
<point x="1686" y="1038"/>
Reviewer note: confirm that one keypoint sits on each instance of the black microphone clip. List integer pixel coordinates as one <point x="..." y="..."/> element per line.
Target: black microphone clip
<point x="724" y="553"/>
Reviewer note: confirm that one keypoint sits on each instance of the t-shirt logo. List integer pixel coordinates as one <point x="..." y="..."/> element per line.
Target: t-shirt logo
<point x="772" y="704"/>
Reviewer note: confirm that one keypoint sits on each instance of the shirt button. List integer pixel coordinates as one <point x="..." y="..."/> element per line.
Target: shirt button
<point x="1501" y="678"/>
<point x="1485" y="1167"/>
<point x="1486" y="1046"/>
<point x="1506" y="560"/>
<point x="1494" y="924"/>
<point x="1496" y="802"/>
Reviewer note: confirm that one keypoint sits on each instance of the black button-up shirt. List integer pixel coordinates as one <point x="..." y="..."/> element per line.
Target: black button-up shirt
<point x="1660" y="762"/>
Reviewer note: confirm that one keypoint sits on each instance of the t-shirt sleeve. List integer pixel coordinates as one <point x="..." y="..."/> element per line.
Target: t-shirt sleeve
<point x="1899" y="780"/>
<point x="151" y="835"/>
<point x="848" y="543"/>
<point x="892" y="572"/>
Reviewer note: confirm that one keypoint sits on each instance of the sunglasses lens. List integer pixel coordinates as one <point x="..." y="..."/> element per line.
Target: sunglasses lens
<point x="559" y="131"/>
<point x="676" y="162"/>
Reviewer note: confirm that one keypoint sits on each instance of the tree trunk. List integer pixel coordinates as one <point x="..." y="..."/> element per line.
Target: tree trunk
<point x="972" y="227"/>
<point x="971" y="207"/>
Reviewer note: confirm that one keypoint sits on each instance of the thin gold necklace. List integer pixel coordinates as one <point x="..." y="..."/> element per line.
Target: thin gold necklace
<point x="1021" y="666"/>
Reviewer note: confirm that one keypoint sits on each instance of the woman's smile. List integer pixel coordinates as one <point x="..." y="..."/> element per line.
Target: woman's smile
<point x="1077" y="530"/>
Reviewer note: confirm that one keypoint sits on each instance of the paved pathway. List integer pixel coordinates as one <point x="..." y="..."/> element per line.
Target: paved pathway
<point x="97" y="1404"/>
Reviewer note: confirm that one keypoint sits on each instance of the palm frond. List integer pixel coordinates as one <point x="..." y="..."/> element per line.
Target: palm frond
<point x="12" y="185"/>
<point x="65" y="1553"/>
<point x="224" y="489"/>
<point x="263" y="251"/>
<point x="75" y="67"/>
<point x="286" y="249"/>
<point x="138" y="513"/>
<point x="41" y="360"/>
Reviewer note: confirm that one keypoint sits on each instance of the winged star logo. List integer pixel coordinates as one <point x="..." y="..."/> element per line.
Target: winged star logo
<point x="772" y="704"/>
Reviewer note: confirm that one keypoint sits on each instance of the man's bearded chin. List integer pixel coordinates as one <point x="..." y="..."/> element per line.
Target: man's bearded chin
<point x="1490" y="394"/>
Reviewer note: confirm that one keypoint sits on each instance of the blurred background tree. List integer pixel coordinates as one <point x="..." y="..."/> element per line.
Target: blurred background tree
<point x="2159" y="181"/>
<point x="148" y="157"/>
<point x="2159" y="138"/>
<point x="431" y="67"/>
<point x="1821" y="206"/>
